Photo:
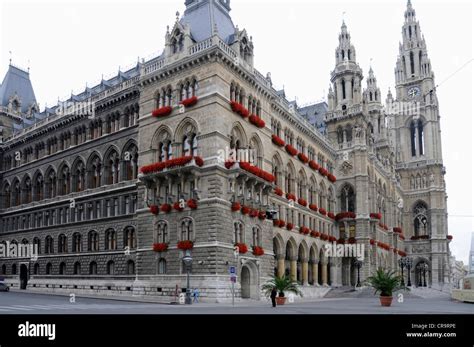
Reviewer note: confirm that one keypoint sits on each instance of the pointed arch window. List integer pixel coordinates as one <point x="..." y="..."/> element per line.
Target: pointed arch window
<point x="343" y="85"/>
<point x="412" y="63"/>
<point x="421" y="137"/>
<point x="413" y="138"/>
<point x="420" y="219"/>
<point x="348" y="199"/>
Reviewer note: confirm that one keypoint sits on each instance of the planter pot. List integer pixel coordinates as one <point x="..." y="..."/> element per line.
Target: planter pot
<point x="280" y="300"/>
<point x="386" y="300"/>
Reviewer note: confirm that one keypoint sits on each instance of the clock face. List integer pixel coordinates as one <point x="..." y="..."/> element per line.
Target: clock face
<point x="413" y="92"/>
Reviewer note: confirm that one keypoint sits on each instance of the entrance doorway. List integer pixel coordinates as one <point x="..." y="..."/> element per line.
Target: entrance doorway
<point x="23" y="276"/>
<point x="245" y="282"/>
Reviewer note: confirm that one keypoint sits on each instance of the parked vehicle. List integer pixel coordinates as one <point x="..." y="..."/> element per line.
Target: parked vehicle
<point x="4" y="287"/>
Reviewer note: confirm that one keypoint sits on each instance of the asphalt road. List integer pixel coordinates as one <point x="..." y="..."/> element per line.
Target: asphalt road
<point x="33" y="303"/>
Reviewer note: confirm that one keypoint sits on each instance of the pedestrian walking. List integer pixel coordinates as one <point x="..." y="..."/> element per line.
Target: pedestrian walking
<point x="196" y="295"/>
<point x="273" y="296"/>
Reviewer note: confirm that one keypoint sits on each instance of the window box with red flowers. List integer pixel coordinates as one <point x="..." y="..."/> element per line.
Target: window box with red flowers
<point x="276" y="223"/>
<point x="449" y="237"/>
<point x="315" y="234"/>
<point x="229" y="163"/>
<point x="171" y="163"/>
<point x="291" y="150"/>
<point x="323" y="171"/>
<point x="166" y="208"/>
<point x="257" y="121"/>
<point x="236" y="206"/>
<point x="277" y="141"/>
<point x="376" y="216"/>
<point x="239" y="109"/>
<point x="289" y="226"/>
<point x="313" y="207"/>
<point x="303" y="158"/>
<point x="199" y="161"/>
<point x="395" y="251"/>
<point x="154" y="209"/>
<point x="331" y="215"/>
<point x="402" y="253"/>
<point x="304" y="230"/>
<point x="397" y="230"/>
<point x="313" y="165"/>
<point x="401" y="236"/>
<point x="351" y="240"/>
<point x="332" y="238"/>
<point x="383" y="226"/>
<point x="257" y="172"/>
<point x="372" y="242"/>
<point x="189" y="101"/>
<point x="160" y="247"/>
<point x="322" y="211"/>
<point x="253" y="213"/>
<point x="291" y="196"/>
<point x="262" y="215"/>
<point x="282" y="223"/>
<point x="245" y="210"/>
<point x="185" y="245"/>
<point x="324" y="237"/>
<point x="302" y="202"/>
<point x="192" y="204"/>
<point x="177" y="206"/>
<point x="258" y="251"/>
<point x="162" y="111"/>
<point x="341" y="241"/>
<point x="332" y="178"/>
<point x="242" y="248"/>
<point x="345" y="215"/>
<point x="278" y="191"/>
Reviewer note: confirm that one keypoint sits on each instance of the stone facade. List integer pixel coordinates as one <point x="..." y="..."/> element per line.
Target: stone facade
<point x="72" y="181"/>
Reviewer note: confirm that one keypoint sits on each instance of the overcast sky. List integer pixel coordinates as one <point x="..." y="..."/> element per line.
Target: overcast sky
<point x="68" y="44"/>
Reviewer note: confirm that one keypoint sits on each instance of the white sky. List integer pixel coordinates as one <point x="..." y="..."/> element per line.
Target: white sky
<point x="70" y="43"/>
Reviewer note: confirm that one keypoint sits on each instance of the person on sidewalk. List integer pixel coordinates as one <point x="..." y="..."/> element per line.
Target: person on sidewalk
<point x="273" y="296"/>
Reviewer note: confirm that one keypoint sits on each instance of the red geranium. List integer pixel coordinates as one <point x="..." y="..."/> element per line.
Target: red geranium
<point x="199" y="161"/>
<point x="303" y="158"/>
<point x="324" y="237"/>
<point x="291" y="196"/>
<point x="332" y="178"/>
<point x="189" y="101"/>
<point x="278" y="141"/>
<point x="331" y="215"/>
<point x="185" y="245"/>
<point x="323" y="171"/>
<point x="322" y="211"/>
<point x="313" y="165"/>
<point x="229" y="163"/>
<point x="343" y="215"/>
<point x="397" y="230"/>
<point x="166" y="208"/>
<point x="376" y="215"/>
<point x="236" y="206"/>
<point x="177" y="206"/>
<point x="156" y="167"/>
<point x="245" y="210"/>
<point x="253" y="213"/>
<point x="449" y="237"/>
<point x="401" y="236"/>
<point x="315" y="234"/>
<point x="154" y="209"/>
<point x="276" y="222"/>
<point x="341" y="241"/>
<point x="160" y="247"/>
<point x="192" y="204"/>
<point x="242" y="248"/>
<point x="282" y="223"/>
<point x="289" y="226"/>
<point x="402" y="253"/>
<point x="302" y="202"/>
<point x="291" y="150"/>
<point x="162" y="111"/>
<point x="372" y="242"/>
<point x="257" y="172"/>
<point x="239" y="109"/>
<point x="351" y="240"/>
<point x="262" y="215"/>
<point x="313" y="207"/>
<point x="278" y="191"/>
<point x="304" y="230"/>
<point x="258" y="251"/>
<point x="332" y="238"/>
<point x="257" y="121"/>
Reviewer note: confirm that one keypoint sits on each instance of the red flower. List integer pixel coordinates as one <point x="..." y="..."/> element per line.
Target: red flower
<point x="303" y="158"/>
<point x="185" y="245"/>
<point x="199" y="161"/>
<point x="258" y="251"/>
<point x="282" y="223"/>
<point x="162" y="111"/>
<point x="262" y="215"/>
<point x="332" y="238"/>
<point x="372" y="242"/>
<point x="383" y="226"/>
<point x="324" y="237"/>
<point x="277" y="141"/>
<point x="397" y="230"/>
<point x="322" y="211"/>
<point x="166" y="208"/>
<point x="257" y="172"/>
<point x="278" y="191"/>
<point x="253" y="213"/>
<point x="342" y="215"/>
<point x="289" y="226"/>
<point x="245" y="210"/>
<point x="291" y="196"/>
<point x="302" y="202"/>
<point x="449" y="237"/>
<point x="402" y="253"/>
<point x="304" y="230"/>
<point x="160" y="247"/>
<point x="177" y="206"/>
<point x="192" y="204"/>
<point x="351" y="240"/>
<point x="332" y="178"/>
<point x="154" y="209"/>
<point x="257" y="121"/>
<point x="323" y="171"/>
<point x="331" y="215"/>
<point x="395" y="250"/>
<point x="236" y="206"/>
<point x="313" y="207"/>
<point x="157" y="167"/>
<point x="401" y="236"/>
<point x="341" y="241"/>
<point x="239" y="109"/>
<point x="276" y="222"/>
<point x="242" y="248"/>
<point x="376" y="215"/>
<point x="229" y="163"/>
<point x="189" y="101"/>
<point x="313" y="165"/>
<point x="291" y="150"/>
<point x="315" y="234"/>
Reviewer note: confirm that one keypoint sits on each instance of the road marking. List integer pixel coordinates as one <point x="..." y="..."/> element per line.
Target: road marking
<point x="14" y="307"/>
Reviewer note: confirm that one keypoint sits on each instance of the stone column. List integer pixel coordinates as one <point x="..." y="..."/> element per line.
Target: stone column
<point x="325" y="274"/>
<point x="304" y="270"/>
<point x="315" y="274"/>
<point x="281" y="266"/>
<point x="293" y="265"/>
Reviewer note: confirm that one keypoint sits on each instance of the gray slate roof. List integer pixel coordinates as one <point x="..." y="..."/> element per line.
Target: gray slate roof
<point x="18" y="82"/>
<point x="315" y="114"/>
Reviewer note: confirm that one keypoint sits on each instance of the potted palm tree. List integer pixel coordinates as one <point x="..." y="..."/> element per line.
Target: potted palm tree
<point x="282" y="285"/>
<point x="386" y="282"/>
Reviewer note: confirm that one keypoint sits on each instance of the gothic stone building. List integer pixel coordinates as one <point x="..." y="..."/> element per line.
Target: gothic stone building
<point x="196" y="150"/>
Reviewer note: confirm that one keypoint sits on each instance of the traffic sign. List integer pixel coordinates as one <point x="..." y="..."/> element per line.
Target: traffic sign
<point x="233" y="279"/>
<point x="232" y="269"/>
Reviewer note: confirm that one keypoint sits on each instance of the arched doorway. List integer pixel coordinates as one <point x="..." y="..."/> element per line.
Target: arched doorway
<point x="23" y="276"/>
<point x="245" y="282"/>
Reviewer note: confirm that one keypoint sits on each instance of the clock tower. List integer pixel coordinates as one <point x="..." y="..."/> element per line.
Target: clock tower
<point x="415" y="130"/>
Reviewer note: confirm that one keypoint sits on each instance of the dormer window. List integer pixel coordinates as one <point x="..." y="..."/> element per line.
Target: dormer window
<point x="177" y="43"/>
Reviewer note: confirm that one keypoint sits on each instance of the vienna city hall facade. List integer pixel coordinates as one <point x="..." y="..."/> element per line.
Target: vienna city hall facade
<point x="195" y="150"/>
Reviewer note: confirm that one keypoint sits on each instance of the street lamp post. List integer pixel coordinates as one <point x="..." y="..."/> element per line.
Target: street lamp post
<point x="358" y="264"/>
<point x="402" y="264"/>
<point x="409" y="264"/>
<point x="188" y="260"/>
<point x="425" y="270"/>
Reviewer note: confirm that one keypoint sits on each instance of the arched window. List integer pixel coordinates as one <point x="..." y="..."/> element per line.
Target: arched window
<point x="162" y="266"/>
<point x="110" y="267"/>
<point x="93" y="268"/>
<point x="78" y="176"/>
<point x="130" y="239"/>
<point x="37" y="245"/>
<point x="421" y="138"/>
<point x="49" y="268"/>
<point x="413" y="138"/>
<point x="62" y="243"/>
<point x="94" y="168"/>
<point x="130" y="267"/>
<point x="16" y="193"/>
<point x="77" y="268"/>
<point x="256" y="237"/>
<point x="239" y="232"/>
<point x="93" y="241"/>
<point x="162" y="232"/>
<point x="340" y="135"/>
<point x="412" y="63"/>
<point x="27" y="198"/>
<point x="187" y="230"/>
<point x="7" y="196"/>
<point x="343" y="87"/>
<point x="110" y="239"/>
<point x="165" y="151"/>
<point x="62" y="268"/>
<point x="51" y="183"/>
<point x="36" y="269"/>
<point x="420" y="219"/>
<point x="130" y="159"/>
<point x="64" y="180"/>
<point x="348" y="133"/>
<point x="48" y="245"/>
<point x="76" y="243"/>
<point x="112" y="166"/>
<point x="4" y="269"/>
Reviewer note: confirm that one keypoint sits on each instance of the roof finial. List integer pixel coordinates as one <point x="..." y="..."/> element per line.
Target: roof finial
<point x="177" y="15"/>
<point x="28" y="68"/>
<point x="343" y="21"/>
<point x="10" y="52"/>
